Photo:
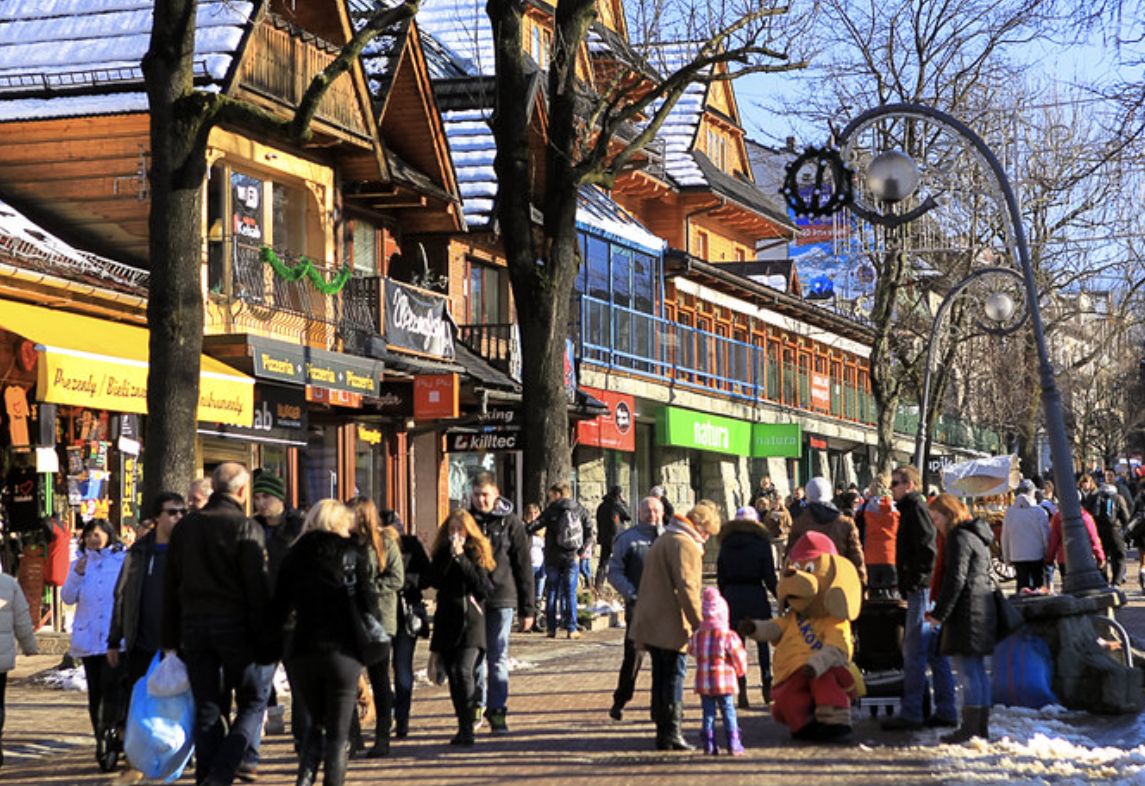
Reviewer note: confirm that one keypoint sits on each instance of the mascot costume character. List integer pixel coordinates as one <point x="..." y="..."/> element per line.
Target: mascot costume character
<point x="815" y="681"/>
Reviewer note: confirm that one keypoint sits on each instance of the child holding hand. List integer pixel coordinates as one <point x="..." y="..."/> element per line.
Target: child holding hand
<point x="721" y="661"/>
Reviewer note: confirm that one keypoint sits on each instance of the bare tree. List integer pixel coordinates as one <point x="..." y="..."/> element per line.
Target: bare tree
<point x="181" y="120"/>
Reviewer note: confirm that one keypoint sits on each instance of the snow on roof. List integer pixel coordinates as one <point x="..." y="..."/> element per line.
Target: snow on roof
<point x="473" y="149"/>
<point x="596" y="212"/>
<point x="26" y="244"/>
<point x="378" y="57"/>
<point x="81" y="48"/>
<point x="463" y="27"/>
<point x="683" y="122"/>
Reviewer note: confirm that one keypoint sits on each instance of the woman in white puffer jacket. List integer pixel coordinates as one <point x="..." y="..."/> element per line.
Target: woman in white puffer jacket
<point x="91" y="587"/>
<point x="15" y="625"/>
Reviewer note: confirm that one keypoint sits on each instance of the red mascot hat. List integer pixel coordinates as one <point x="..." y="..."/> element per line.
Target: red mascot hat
<point x="811" y="546"/>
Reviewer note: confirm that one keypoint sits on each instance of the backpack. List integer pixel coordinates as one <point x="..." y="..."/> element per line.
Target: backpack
<point x="570" y="530"/>
<point x="1106" y="511"/>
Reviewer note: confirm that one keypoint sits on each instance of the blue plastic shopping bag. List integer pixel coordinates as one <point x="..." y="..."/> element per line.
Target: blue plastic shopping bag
<point x="158" y="740"/>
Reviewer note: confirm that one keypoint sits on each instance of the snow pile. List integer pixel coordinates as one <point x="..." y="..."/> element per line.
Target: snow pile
<point x="604" y="607"/>
<point x="63" y="679"/>
<point x="1038" y="748"/>
<point x="520" y="665"/>
<point x="281" y="683"/>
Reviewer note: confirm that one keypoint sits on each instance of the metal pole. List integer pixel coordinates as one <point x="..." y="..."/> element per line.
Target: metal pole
<point x="1082" y="575"/>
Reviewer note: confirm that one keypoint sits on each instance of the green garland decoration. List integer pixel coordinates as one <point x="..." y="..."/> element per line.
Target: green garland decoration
<point x="306" y="268"/>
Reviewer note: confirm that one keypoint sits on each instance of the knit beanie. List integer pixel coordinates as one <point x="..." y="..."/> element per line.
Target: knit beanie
<point x="271" y="484"/>
<point x="818" y="490"/>
<point x="715" y="609"/>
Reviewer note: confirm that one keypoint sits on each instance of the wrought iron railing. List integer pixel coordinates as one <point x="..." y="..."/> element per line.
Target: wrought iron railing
<point x="500" y="344"/>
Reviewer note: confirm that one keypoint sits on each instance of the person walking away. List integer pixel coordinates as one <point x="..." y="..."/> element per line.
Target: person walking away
<point x="881" y="524"/>
<point x="133" y="635"/>
<point x="721" y="665"/>
<point x="15" y="626"/>
<point x="384" y="556"/>
<point x="567" y="528"/>
<point x="325" y="580"/>
<point x="625" y="568"/>
<point x="915" y="553"/>
<point x="965" y="611"/>
<point x="669" y="612"/>
<point x="463" y="565"/>
<point x="1055" y="551"/>
<point x="821" y="515"/>
<point x="90" y="587"/>
<point x="1025" y="538"/>
<point x="531" y="518"/>
<point x="418" y="575"/>
<point x="1111" y="515"/>
<point x="512" y="577"/>
<point x="777" y="521"/>
<point x="745" y="573"/>
<point x="214" y="610"/>
<point x="611" y="517"/>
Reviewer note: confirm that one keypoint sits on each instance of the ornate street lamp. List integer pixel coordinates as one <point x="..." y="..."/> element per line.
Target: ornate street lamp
<point x="888" y="197"/>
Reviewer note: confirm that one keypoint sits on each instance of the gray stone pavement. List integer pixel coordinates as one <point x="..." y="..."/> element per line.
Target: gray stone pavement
<point x="560" y="730"/>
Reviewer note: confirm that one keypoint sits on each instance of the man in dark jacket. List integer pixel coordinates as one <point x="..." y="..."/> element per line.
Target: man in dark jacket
<point x="138" y="610"/>
<point x="215" y="600"/>
<point x="611" y="515"/>
<point x="512" y="590"/>
<point x="624" y="571"/>
<point x="1111" y="515"/>
<point x="562" y="559"/>
<point x="915" y="552"/>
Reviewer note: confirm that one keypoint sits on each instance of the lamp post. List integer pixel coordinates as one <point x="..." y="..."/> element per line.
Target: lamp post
<point x="1002" y="316"/>
<point x="895" y="178"/>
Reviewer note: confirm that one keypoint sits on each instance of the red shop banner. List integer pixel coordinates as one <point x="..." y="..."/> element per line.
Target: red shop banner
<point x="617" y="429"/>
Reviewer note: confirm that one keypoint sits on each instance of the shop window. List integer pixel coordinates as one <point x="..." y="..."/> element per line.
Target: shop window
<point x="487" y="301"/>
<point x="320" y="465"/>
<point x="370" y="465"/>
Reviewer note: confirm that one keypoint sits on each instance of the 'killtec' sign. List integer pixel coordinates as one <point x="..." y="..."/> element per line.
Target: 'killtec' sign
<point x="417" y="320"/>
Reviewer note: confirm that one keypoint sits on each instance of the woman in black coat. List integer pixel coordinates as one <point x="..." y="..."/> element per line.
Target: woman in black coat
<point x="745" y="572"/>
<point x="325" y="580"/>
<point x="965" y="609"/>
<point x="462" y="562"/>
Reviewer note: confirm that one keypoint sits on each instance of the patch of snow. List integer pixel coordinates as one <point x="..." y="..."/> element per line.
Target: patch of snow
<point x="73" y="106"/>
<point x="1039" y="748"/>
<point x="64" y="679"/>
<point x="520" y="665"/>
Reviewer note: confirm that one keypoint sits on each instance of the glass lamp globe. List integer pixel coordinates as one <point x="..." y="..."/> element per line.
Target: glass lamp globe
<point x="999" y="307"/>
<point x="892" y="176"/>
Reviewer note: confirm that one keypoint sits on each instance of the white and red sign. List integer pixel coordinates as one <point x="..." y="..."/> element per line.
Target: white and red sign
<point x="820" y="391"/>
<point x="617" y="429"/>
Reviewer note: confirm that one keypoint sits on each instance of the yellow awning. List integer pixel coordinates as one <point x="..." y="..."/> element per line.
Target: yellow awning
<point x="95" y="363"/>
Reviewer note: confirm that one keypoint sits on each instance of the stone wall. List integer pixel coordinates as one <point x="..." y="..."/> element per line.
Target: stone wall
<point x="673" y="472"/>
<point x="592" y="478"/>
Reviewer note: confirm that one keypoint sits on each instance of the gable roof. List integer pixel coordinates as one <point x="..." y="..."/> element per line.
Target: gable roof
<point x="746" y="194"/>
<point x="61" y="58"/>
<point x="463" y="27"/>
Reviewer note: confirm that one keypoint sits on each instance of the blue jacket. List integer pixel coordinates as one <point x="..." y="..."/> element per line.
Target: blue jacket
<point x="627" y="562"/>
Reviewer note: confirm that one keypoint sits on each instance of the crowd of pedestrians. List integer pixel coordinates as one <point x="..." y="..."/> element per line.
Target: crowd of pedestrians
<point x="234" y="595"/>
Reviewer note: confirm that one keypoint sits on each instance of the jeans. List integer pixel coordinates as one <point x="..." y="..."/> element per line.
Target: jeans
<point x="727" y="708"/>
<point x="629" y="667"/>
<point x="919" y="650"/>
<point x="539" y="574"/>
<point x="217" y="656"/>
<point x="975" y="681"/>
<point x="328" y="683"/>
<point x="669" y="668"/>
<point x="586" y="570"/>
<point x="561" y="581"/>
<point x="403" y="647"/>
<point x="460" y="665"/>
<point x="266" y="675"/>
<point x="492" y="669"/>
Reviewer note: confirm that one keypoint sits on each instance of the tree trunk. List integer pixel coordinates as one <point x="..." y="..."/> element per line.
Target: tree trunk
<point x="885" y="383"/>
<point x="175" y="304"/>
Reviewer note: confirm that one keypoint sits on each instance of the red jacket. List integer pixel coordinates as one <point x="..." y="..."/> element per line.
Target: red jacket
<point x="1055" y="552"/>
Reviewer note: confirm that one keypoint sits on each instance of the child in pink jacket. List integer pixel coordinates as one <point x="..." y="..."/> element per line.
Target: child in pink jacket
<point x="721" y="661"/>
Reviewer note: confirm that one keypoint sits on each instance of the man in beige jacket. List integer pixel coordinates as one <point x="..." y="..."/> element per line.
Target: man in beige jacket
<point x="669" y="612"/>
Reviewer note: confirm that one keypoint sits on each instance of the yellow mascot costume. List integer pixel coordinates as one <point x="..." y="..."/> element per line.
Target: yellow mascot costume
<point x="814" y="681"/>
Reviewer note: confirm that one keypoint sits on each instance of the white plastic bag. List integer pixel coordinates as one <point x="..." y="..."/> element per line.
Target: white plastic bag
<point x="169" y="678"/>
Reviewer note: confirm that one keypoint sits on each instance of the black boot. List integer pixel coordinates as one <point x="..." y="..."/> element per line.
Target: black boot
<point x="767" y="690"/>
<point x="309" y="757"/>
<point x="464" y="736"/>
<point x="744" y="704"/>
<point x="673" y="734"/>
<point x="660" y="718"/>
<point x="975" y="721"/>
<point x="381" y="747"/>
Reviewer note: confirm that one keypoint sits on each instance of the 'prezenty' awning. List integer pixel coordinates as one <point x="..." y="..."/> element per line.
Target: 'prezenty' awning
<point x="89" y="362"/>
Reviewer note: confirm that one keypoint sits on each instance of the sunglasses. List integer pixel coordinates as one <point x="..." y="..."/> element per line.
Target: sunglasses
<point x="175" y="511"/>
<point x="897" y="483"/>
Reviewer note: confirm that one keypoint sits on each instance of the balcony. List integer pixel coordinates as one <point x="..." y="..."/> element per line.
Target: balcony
<point x="499" y="344"/>
<point x="646" y="345"/>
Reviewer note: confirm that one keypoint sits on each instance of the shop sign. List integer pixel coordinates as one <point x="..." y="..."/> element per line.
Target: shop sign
<point x="486" y="442"/>
<point x="369" y="435"/>
<point x="282" y="362"/>
<point x="279" y="416"/>
<point x="820" y="391"/>
<point x="278" y="361"/>
<point x="417" y="320"/>
<point x="685" y="428"/>
<point x="617" y="429"/>
<point x="337" y="398"/>
<point x="394" y="398"/>
<point x="436" y="396"/>
<point x="332" y="372"/>
<point x="498" y="417"/>
<point x="776" y="440"/>
<point x="570" y="371"/>
<point x="817" y="443"/>
<point x="935" y="464"/>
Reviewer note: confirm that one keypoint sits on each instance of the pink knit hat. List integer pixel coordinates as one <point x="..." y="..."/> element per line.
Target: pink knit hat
<point x="715" y="609"/>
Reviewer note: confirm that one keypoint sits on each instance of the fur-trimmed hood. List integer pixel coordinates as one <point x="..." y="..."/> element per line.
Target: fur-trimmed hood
<point x="746" y="526"/>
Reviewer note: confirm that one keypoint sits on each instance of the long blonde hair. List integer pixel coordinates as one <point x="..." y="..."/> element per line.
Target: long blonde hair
<point x="476" y="544"/>
<point x="329" y="515"/>
<point x="369" y="527"/>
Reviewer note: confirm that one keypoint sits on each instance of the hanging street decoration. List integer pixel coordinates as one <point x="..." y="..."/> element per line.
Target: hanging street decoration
<point x="305" y="268"/>
<point x="817" y="183"/>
